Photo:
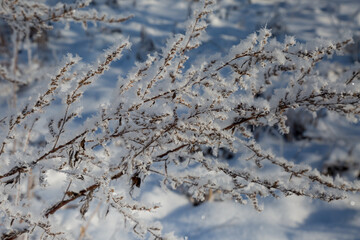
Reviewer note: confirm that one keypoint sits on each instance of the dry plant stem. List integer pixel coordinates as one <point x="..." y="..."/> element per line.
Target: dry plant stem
<point x="25" y="168"/>
<point x="171" y="92"/>
<point x="11" y="79"/>
<point x="61" y="130"/>
<point x="44" y="14"/>
<point x="15" y="234"/>
<point x="75" y="195"/>
<point x="355" y="74"/>
<point x="28" y="135"/>
<point x="15" y="53"/>
<point x="40" y="103"/>
<point x="74" y="96"/>
<point x="163" y="67"/>
<point x="67" y="189"/>
<point x="175" y="50"/>
<point x="84" y="228"/>
<point x="134" y="220"/>
<point x="14" y="70"/>
<point x="30" y="185"/>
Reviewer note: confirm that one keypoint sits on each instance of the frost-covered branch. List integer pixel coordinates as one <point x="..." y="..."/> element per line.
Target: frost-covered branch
<point x="158" y="121"/>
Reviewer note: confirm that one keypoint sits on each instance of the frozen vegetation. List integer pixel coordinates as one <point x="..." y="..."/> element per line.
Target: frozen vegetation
<point x="179" y="119"/>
